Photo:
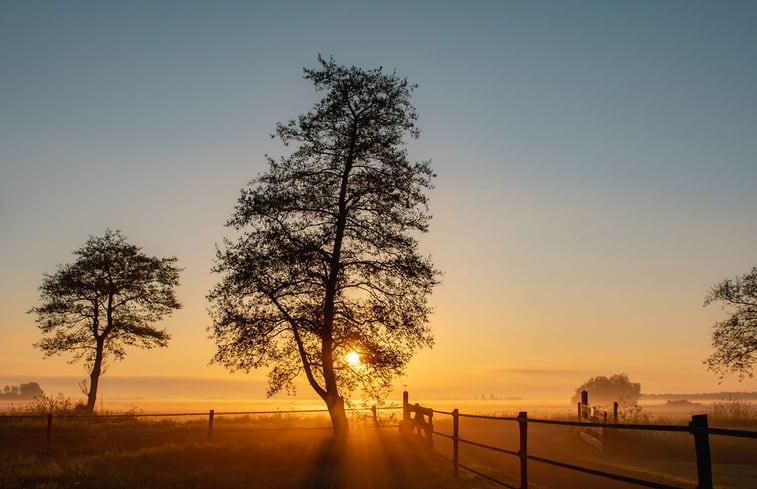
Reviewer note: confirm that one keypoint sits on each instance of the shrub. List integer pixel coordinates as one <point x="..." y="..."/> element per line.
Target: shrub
<point x="734" y="412"/>
<point x="51" y="404"/>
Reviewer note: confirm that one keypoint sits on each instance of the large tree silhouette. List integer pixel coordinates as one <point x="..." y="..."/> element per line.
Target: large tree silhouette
<point x="104" y="301"/>
<point x="735" y="339"/>
<point x="326" y="262"/>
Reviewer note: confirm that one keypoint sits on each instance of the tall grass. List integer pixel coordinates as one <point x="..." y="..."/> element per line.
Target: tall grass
<point x="733" y="412"/>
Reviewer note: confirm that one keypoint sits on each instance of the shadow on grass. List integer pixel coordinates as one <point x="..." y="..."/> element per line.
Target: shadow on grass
<point x="327" y="470"/>
<point x="162" y="459"/>
<point x="374" y="459"/>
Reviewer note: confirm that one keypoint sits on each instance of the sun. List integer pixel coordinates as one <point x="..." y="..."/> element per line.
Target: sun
<point x="353" y="358"/>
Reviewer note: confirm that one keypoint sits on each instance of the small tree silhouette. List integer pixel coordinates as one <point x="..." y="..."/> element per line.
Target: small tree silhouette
<point x="105" y="301"/>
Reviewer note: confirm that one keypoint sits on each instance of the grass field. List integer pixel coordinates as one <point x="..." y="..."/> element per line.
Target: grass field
<point x="295" y="451"/>
<point x="243" y="453"/>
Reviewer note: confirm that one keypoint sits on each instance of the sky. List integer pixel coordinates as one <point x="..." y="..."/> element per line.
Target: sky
<point x="596" y="161"/>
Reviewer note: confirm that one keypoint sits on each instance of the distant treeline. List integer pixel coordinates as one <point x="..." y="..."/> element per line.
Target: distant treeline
<point x="707" y="396"/>
<point x="20" y="392"/>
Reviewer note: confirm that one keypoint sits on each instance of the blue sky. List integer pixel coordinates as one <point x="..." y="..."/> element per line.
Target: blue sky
<point x="597" y="164"/>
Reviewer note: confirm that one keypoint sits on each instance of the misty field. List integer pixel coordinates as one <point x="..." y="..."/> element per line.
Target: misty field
<point x="267" y="452"/>
<point x="295" y="451"/>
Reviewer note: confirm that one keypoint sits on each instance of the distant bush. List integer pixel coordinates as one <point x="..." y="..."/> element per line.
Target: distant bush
<point x="604" y="391"/>
<point x="20" y="392"/>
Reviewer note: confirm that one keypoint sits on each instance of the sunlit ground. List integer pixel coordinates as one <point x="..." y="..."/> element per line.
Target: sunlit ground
<point x="159" y="455"/>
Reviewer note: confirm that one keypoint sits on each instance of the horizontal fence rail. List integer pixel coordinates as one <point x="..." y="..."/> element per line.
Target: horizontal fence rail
<point x="600" y="473"/>
<point x="201" y="413"/>
<point x="698" y="428"/>
<point x="648" y="427"/>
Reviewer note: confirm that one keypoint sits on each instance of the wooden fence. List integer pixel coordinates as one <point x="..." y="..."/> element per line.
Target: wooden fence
<point x="591" y="434"/>
<point x="417" y="420"/>
<point x="697" y="427"/>
<point x="211" y="417"/>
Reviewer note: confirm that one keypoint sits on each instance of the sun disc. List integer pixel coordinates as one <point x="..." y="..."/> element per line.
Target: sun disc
<point x="353" y="358"/>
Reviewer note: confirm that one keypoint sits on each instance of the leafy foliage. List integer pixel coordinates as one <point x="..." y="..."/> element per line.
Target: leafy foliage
<point x="105" y="301"/>
<point x="606" y="390"/>
<point x="326" y="261"/>
<point x="735" y="339"/>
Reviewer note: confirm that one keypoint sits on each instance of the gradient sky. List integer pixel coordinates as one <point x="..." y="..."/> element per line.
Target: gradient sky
<point x="597" y="168"/>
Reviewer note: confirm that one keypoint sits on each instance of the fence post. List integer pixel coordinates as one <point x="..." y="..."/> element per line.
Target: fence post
<point x="698" y="427"/>
<point x="405" y="407"/>
<point x="375" y="415"/>
<point x="584" y="404"/>
<point x="49" y="429"/>
<point x="523" y="452"/>
<point x="429" y="428"/>
<point x="418" y="421"/>
<point x="455" y="438"/>
<point x="211" y="415"/>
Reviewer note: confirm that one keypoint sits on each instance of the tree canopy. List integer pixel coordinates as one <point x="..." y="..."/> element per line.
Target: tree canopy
<point x="606" y="390"/>
<point x="326" y="262"/>
<point x="735" y="339"/>
<point x="104" y="301"/>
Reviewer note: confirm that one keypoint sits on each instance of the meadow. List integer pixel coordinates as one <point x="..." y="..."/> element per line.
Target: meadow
<point x="277" y="451"/>
<point x="284" y="450"/>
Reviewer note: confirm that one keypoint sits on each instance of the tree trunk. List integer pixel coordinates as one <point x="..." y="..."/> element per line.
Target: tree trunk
<point x="338" y="416"/>
<point x="94" y="378"/>
<point x="334" y="401"/>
